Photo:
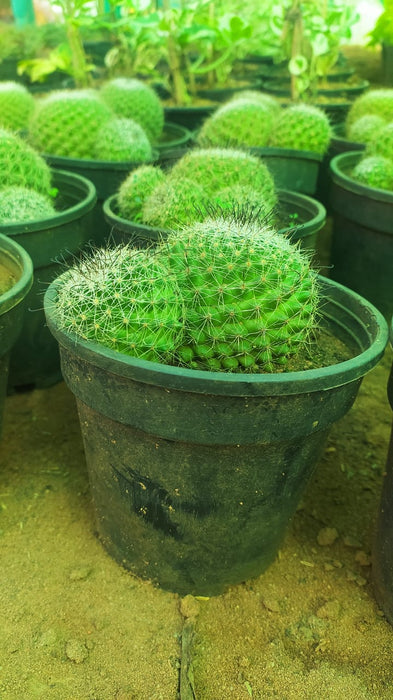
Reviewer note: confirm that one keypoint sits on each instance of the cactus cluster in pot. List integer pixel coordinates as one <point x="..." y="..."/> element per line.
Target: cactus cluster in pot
<point x="257" y="120"/>
<point x="368" y="115"/>
<point x="25" y="181"/>
<point x="222" y="295"/>
<point x="16" y="105"/>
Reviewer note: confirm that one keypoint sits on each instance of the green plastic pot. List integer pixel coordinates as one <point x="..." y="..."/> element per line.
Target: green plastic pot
<point x="12" y="305"/>
<point x="291" y="168"/>
<point x="50" y="243"/>
<point x="382" y="552"/>
<point x="195" y="475"/>
<point x="302" y="218"/>
<point x="362" y="241"/>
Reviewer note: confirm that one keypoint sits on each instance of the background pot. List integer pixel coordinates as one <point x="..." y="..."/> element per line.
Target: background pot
<point x="50" y="242"/>
<point x="291" y="168"/>
<point x="362" y="241"/>
<point x="15" y="259"/>
<point x="301" y="217"/>
<point x="195" y="475"/>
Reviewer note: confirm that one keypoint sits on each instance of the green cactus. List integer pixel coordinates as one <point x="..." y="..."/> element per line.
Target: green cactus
<point x="122" y="140"/>
<point x="302" y="127"/>
<point x="374" y="171"/>
<point x="246" y="200"/>
<point x="172" y="204"/>
<point x="365" y="129"/>
<point x="124" y="299"/>
<point x="21" y="166"/>
<point x="133" y="99"/>
<point x="66" y="123"/>
<point x="215" y="169"/>
<point x="250" y="296"/>
<point x="21" y="204"/>
<point x="259" y="97"/>
<point x="242" y="122"/>
<point x="16" y="106"/>
<point x="135" y="189"/>
<point x="378" y="102"/>
<point x="382" y="143"/>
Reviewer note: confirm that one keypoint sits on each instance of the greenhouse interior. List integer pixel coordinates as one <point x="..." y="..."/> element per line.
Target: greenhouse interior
<point x="240" y="156"/>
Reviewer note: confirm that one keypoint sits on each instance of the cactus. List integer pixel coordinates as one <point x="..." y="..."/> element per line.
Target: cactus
<point x="218" y="168"/>
<point x="21" y="204"/>
<point x="261" y="98"/>
<point x="250" y="296"/>
<point x="16" y="106"/>
<point x="382" y="143"/>
<point x="136" y="188"/>
<point x="374" y="171"/>
<point x="122" y="140"/>
<point x="241" y="122"/>
<point x="66" y="123"/>
<point x="365" y="129"/>
<point x="133" y="99"/>
<point x="378" y="102"/>
<point x="172" y="204"/>
<point x="124" y="299"/>
<point x="302" y="127"/>
<point x="21" y="166"/>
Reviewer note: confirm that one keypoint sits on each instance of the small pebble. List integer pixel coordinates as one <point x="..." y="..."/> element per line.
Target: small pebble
<point x="80" y="573"/>
<point x="362" y="558"/>
<point x="326" y="536"/>
<point x="189" y="606"/>
<point x="76" y="651"/>
<point x="350" y="541"/>
<point x="270" y="604"/>
<point x="330" y="610"/>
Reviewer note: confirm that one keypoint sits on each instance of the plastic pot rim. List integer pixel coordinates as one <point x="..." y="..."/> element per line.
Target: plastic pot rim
<point x="82" y="207"/>
<point x="277" y="151"/>
<point x="232" y="384"/>
<point x="22" y="286"/>
<point x="339" y="177"/>
<point x="184" y="136"/>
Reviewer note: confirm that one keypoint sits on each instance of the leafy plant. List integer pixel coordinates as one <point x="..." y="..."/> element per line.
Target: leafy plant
<point x="382" y="33"/>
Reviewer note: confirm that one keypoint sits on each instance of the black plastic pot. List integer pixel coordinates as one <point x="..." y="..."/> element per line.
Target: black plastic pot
<point x="349" y="91"/>
<point x="50" y="242"/>
<point x="12" y="305"/>
<point x="195" y="475"/>
<point x="382" y="554"/>
<point x="387" y="63"/>
<point x="173" y="144"/>
<point x="190" y="117"/>
<point x="301" y="217"/>
<point x="338" y="145"/>
<point x="362" y="241"/>
<point x="292" y="169"/>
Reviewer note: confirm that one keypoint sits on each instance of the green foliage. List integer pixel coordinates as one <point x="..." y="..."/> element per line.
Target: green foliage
<point x="374" y="171"/>
<point x="365" y="129"/>
<point x="123" y="299"/>
<point x="133" y="99"/>
<point x="22" y="204"/>
<point x="21" y="166"/>
<point x="379" y="102"/>
<point x="122" y="140"/>
<point x="242" y="122"/>
<point x="66" y="123"/>
<point x="303" y="127"/>
<point x="382" y="33"/>
<point x="136" y="188"/>
<point x="16" y="105"/>
<point x="250" y="296"/>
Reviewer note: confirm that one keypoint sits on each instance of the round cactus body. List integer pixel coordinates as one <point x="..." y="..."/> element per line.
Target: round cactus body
<point x="16" y="106"/>
<point x="247" y="201"/>
<point x="136" y="188"/>
<point x="218" y="168"/>
<point x="250" y="296"/>
<point x="21" y="204"/>
<point x="243" y="122"/>
<point x="382" y="143"/>
<point x="124" y="299"/>
<point x="302" y="127"/>
<point x="378" y="102"/>
<point x="66" y="123"/>
<point x="365" y="129"/>
<point x="133" y="99"/>
<point x="122" y="140"/>
<point x="174" y="204"/>
<point x="374" y="171"/>
<point x="20" y="165"/>
<point x="261" y="98"/>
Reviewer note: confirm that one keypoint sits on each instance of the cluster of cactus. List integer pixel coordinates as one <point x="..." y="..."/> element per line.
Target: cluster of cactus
<point x="303" y="127"/>
<point x="365" y="129"/>
<point x="133" y="99"/>
<point x="257" y="120"/>
<point x="22" y="204"/>
<point x="219" y="295"/>
<point x="21" y="165"/>
<point x="374" y="171"/>
<point x="382" y="144"/>
<point x="123" y="299"/>
<point x="122" y="139"/>
<point x="226" y="179"/>
<point x="16" y="106"/>
<point x="136" y="188"/>
<point x="379" y="102"/>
